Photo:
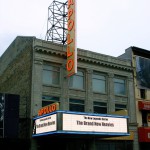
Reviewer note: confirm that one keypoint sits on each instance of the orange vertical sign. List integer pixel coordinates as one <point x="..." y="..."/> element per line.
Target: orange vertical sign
<point x="71" y="39"/>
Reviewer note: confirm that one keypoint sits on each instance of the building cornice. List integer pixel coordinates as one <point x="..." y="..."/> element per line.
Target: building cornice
<point x="49" y="51"/>
<point x="83" y="55"/>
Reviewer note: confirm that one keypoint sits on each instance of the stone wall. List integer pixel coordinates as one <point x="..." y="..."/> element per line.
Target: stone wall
<point x="15" y="75"/>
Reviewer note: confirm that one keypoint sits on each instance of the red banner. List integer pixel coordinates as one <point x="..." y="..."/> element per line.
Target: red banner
<point x="144" y="134"/>
<point x="144" y="105"/>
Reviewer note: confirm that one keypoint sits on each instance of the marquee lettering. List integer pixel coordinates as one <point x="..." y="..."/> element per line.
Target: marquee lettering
<point x="70" y="25"/>
<point x="68" y="52"/>
<point x="70" y="2"/>
<point x="48" y="109"/>
<point x="70" y="12"/>
<point x="70" y="65"/>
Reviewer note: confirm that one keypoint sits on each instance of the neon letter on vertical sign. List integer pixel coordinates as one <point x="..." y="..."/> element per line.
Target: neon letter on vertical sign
<point x="71" y="39"/>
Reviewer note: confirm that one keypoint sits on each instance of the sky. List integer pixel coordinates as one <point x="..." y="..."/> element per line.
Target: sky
<point x="108" y="27"/>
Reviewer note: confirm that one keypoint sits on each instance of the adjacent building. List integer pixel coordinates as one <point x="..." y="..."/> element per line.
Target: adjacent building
<point x="140" y="59"/>
<point x="35" y="70"/>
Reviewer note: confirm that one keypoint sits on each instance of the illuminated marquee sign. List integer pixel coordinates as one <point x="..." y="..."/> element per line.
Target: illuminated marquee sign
<point x="67" y="122"/>
<point x="48" y="109"/>
<point x="71" y="39"/>
<point x="45" y="124"/>
<point x="85" y="123"/>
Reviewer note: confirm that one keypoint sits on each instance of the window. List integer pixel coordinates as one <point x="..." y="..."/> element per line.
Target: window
<point x="76" y="105"/>
<point x="119" y="87"/>
<point x="99" y="83"/>
<point x="120" y="107"/>
<point x="144" y="118"/>
<point x="51" y="75"/>
<point x="77" y="81"/>
<point x="100" y="107"/>
<point x="142" y="93"/>
<point x="47" y="100"/>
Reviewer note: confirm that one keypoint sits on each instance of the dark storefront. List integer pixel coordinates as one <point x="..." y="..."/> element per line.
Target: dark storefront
<point x="144" y="131"/>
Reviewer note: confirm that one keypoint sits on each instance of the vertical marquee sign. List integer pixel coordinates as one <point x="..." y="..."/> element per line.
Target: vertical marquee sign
<point x="71" y="39"/>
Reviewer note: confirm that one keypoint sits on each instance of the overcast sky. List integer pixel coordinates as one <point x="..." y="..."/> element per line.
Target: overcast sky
<point x="104" y="26"/>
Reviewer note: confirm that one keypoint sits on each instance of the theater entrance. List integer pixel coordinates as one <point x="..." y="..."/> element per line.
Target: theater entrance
<point x="64" y="144"/>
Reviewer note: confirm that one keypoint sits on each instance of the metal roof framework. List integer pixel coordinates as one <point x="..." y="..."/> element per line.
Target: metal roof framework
<point x="57" y="22"/>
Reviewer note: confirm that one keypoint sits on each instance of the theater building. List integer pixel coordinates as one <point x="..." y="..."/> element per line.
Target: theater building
<point x="102" y="89"/>
<point x="140" y="59"/>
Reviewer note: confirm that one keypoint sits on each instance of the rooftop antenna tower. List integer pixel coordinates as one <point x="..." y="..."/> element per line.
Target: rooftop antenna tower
<point x="57" y="22"/>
